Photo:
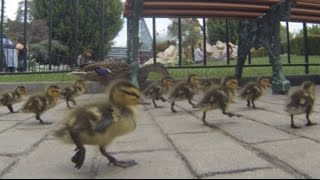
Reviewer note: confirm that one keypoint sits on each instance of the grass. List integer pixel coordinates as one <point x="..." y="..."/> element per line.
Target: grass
<point x="184" y="72"/>
<point x="50" y="77"/>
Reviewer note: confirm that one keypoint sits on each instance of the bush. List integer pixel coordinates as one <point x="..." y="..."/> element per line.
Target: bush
<point x="261" y="52"/>
<point x="297" y="45"/>
<point x="40" y="51"/>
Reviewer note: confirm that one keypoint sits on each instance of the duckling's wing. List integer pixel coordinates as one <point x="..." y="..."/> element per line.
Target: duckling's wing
<point x="105" y="121"/>
<point x="216" y="96"/>
<point x="6" y="98"/>
<point x="68" y="92"/>
<point x="249" y="90"/>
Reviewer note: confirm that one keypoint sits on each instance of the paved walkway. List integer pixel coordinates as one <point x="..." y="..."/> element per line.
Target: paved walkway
<point x="259" y="145"/>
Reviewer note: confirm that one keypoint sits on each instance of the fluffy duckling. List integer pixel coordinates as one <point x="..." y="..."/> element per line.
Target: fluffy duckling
<point x="185" y="90"/>
<point x="41" y="102"/>
<point x="158" y="89"/>
<point x="100" y="123"/>
<point x="205" y="85"/>
<point x="254" y="90"/>
<point x="219" y="98"/>
<point x="69" y="93"/>
<point x="12" y="97"/>
<point x="302" y="101"/>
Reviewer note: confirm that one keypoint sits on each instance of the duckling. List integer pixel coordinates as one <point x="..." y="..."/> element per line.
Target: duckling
<point x="39" y="103"/>
<point x="302" y="101"/>
<point x="156" y="90"/>
<point x="185" y="90"/>
<point x="12" y="97"/>
<point x="205" y="84"/>
<point x="219" y="97"/>
<point x="254" y="90"/>
<point x="69" y="93"/>
<point x="100" y="123"/>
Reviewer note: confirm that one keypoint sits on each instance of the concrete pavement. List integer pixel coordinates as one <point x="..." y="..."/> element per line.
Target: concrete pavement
<point x="260" y="144"/>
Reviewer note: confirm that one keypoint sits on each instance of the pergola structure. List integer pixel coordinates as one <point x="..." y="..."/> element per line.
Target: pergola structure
<point x="259" y="23"/>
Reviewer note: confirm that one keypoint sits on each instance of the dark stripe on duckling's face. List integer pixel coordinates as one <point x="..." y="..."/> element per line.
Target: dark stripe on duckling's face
<point x="130" y="93"/>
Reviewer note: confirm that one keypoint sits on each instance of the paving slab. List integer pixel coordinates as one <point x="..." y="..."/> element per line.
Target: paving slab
<point x="15" y="142"/>
<point x="4" y="125"/>
<point x="144" y="138"/>
<point x="155" y="165"/>
<point x="52" y="160"/>
<point x="5" y="162"/>
<point x="301" y="154"/>
<point x="252" y="132"/>
<point x="214" y="152"/>
<point x="183" y="123"/>
<point x="256" y="174"/>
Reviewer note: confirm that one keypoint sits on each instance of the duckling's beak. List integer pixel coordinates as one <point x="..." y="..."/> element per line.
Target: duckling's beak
<point x="142" y="102"/>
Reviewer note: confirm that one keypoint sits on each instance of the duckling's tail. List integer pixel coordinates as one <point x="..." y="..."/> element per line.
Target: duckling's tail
<point x="62" y="134"/>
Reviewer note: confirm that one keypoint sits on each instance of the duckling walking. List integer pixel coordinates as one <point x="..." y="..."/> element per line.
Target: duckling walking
<point x="41" y="102"/>
<point x="100" y="123"/>
<point x="254" y="90"/>
<point x="302" y="101"/>
<point x="157" y="90"/>
<point x="12" y="97"/>
<point x="219" y="98"/>
<point x="185" y="90"/>
<point x="69" y="93"/>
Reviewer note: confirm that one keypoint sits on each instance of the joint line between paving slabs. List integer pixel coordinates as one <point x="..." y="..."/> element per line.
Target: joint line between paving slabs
<point x="183" y="158"/>
<point x="234" y="171"/>
<point x="270" y="158"/>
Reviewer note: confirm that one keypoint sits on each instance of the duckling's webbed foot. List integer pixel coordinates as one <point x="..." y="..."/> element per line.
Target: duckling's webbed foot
<point x="248" y="104"/>
<point x="205" y="122"/>
<point x="309" y="121"/>
<point x="123" y="164"/>
<point x="172" y="107"/>
<point x="11" y="109"/>
<point x="190" y="102"/>
<point x="80" y="155"/>
<point x="154" y="103"/>
<point x="38" y="118"/>
<point x="163" y="99"/>
<point x="292" y="124"/>
<point x="253" y="105"/>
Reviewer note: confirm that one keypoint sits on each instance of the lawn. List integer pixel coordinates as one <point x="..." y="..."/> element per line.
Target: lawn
<point x="184" y="72"/>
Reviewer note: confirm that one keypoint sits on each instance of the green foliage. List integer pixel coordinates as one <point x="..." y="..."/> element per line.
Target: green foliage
<point x="89" y="20"/>
<point x="297" y="45"/>
<point x="216" y="31"/>
<point x="190" y="34"/>
<point x="313" y="30"/>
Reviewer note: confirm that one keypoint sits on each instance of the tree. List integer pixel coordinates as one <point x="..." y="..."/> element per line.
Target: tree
<point x="20" y="11"/>
<point x="313" y="30"/>
<point x="190" y="34"/>
<point x="216" y="30"/>
<point x="88" y="22"/>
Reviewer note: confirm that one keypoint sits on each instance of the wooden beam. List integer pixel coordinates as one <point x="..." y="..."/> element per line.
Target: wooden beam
<point x="204" y="5"/>
<point x="226" y="1"/>
<point x="308" y="1"/>
<point x="300" y="11"/>
<point x="309" y="19"/>
<point x="307" y="5"/>
<point x="198" y="13"/>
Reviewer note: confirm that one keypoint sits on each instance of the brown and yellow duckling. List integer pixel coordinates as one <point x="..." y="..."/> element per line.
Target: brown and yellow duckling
<point x="158" y="89"/>
<point x="184" y="91"/>
<point x="12" y="97"/>
<point x="219" y="98"/>
<point x="69" y="93"/>
<point x="100" y="123"/>
<point x="39" y="103"/>
<point x="302" y="102"/>
<point x="254" y="90"/>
